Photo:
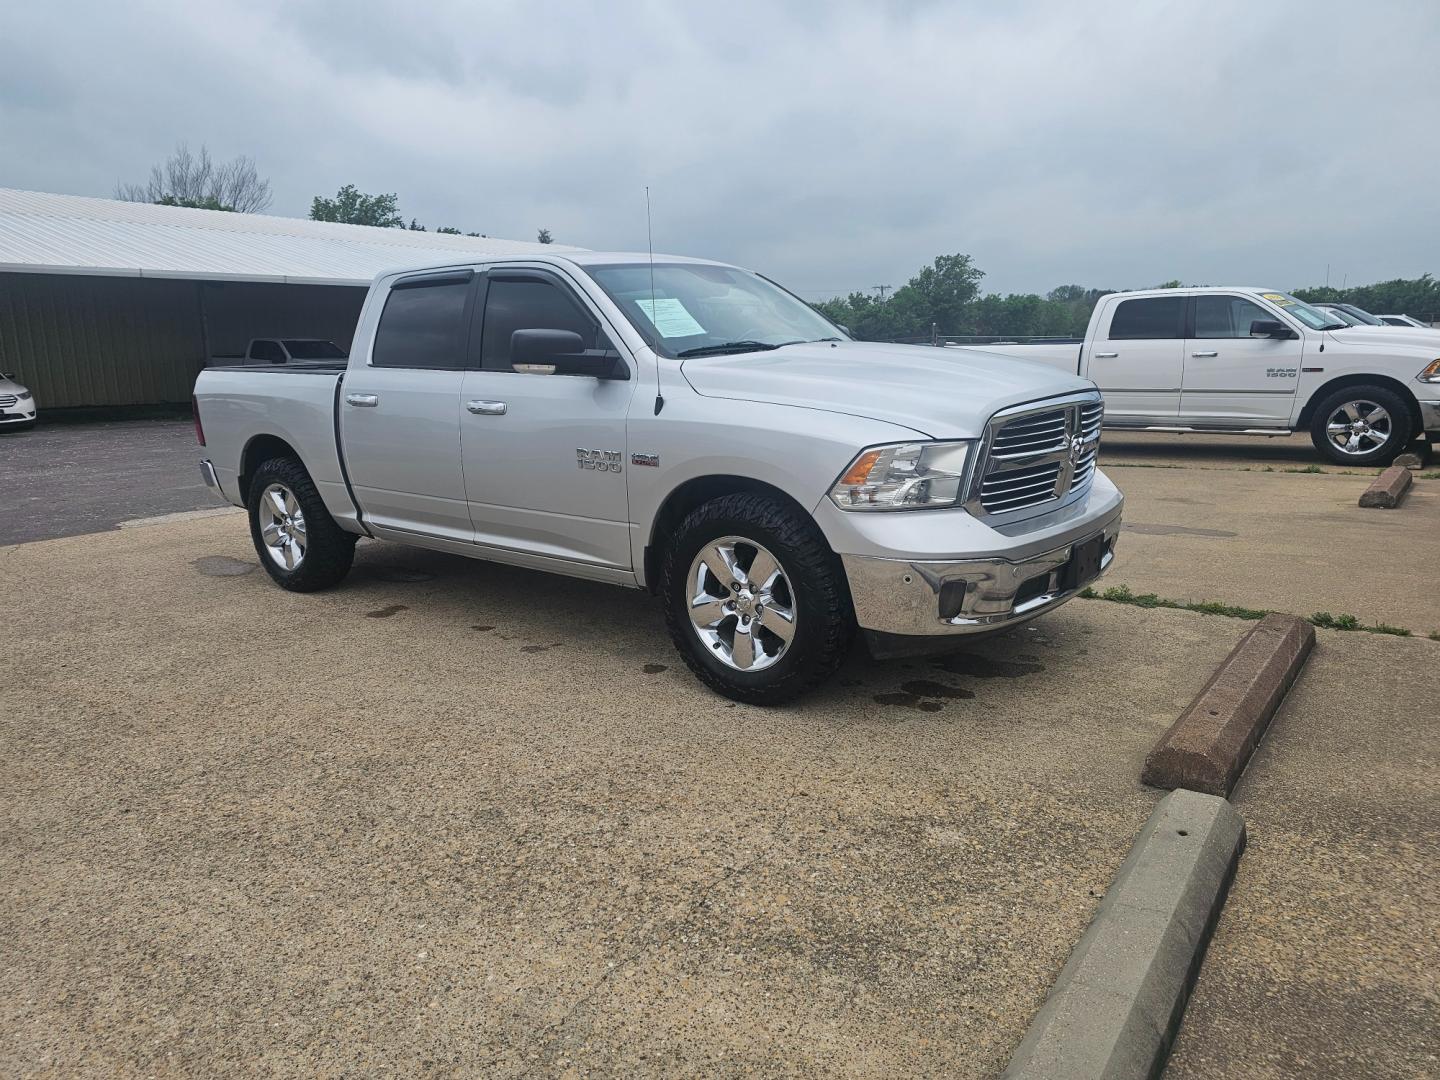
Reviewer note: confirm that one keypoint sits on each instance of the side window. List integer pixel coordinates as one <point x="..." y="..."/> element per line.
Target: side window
<point x="1148" y="319"/>
<point x="267" y="352"/>
<point x="1226" y="316"/>
<point x="423" y="325"/>
<point x="530" y="304"/>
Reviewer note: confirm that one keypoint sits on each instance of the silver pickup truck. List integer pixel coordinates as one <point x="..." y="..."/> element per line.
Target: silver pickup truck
<point x="685" y="427"/>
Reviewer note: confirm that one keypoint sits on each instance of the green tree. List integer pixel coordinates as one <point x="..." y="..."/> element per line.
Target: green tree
<point x="543" y="236"/>
<point x="354" y="207"/>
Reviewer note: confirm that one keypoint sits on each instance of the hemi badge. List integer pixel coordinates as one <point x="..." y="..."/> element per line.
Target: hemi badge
<point x="652" y="460"/>
<point x="1312" y="369"/>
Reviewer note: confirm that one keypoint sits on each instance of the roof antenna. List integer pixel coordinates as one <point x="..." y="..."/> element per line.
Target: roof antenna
<point x="654" y="315"/>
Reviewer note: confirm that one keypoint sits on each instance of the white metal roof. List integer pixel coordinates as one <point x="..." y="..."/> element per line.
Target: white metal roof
<point x="71" y="234"/>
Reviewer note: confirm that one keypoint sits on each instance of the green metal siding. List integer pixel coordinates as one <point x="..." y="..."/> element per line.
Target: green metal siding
<point x="77" y="340"/>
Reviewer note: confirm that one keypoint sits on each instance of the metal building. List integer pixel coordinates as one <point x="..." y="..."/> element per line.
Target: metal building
<point x="106" y="303"/>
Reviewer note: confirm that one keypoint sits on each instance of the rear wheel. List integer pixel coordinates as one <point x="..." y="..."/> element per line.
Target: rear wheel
<point x="297" y="540"/>
<point x="1361" y="425"/>
<point x="756" y="601"/>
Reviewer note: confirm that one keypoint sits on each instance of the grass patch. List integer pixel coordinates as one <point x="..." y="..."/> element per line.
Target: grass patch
<point x="1435" y="635"/>
<point x="1433" y="474"/>
<point x="1122" y="594"/>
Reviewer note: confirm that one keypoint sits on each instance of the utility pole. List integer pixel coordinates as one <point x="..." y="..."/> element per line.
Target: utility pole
<point x="882" y="290"/>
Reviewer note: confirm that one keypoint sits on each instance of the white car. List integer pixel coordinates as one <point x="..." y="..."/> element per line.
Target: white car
<point x="17" y="405"/>
<point x="1404" y="320"/>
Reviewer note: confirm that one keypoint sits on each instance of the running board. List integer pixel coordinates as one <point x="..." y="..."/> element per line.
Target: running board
<point x="1269" y="432"/>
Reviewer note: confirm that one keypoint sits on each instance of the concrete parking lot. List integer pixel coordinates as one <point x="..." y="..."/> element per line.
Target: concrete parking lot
<point x="68" y="479"/>
<point x="459" y="818"/>
<point x="470" y="817"/>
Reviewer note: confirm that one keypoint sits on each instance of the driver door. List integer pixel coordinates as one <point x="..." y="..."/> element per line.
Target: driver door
<point x="544" y="455"/>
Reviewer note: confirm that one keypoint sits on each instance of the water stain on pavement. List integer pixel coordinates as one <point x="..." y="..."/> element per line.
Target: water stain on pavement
<point x="1173" y="530"/>
<point x="654" y="669"/>
<point x="908" y="701"/>
<point x="982" y="667"/>
<point x="386" y="612"/>
<point x="541" y="648"/>
<point x="930" y="688"/>
<point x="481" y="627"/>
<point x="223" y="566"/>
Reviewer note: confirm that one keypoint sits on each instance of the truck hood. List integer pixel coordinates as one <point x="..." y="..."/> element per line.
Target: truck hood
<point x="1411" y="337"/>
<point x="942" y="393"/>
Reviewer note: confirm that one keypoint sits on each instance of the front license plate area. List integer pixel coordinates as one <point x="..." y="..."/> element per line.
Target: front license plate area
<point x="1084" y="564"/>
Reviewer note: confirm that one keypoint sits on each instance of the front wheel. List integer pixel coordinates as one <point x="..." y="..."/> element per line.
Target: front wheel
<point x="755" y="600"/>
<point x="1361" y="425"/>
<point x="297" y="540"/>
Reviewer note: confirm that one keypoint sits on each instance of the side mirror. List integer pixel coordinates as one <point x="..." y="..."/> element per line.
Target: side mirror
<point x="1270" y="328"/>
<point x="562" y="352"/>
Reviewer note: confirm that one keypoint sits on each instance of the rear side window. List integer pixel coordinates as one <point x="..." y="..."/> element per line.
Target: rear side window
<point x="424" y="325"/>
<point x="529" y="304"/>
<point x="1227" y="316"/>
<point x="1150" y="318"/>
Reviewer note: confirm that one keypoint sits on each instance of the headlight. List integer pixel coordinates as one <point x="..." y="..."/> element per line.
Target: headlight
<point x="1431" y="372"/>
<point x="25" y="396"/>
<point x="905" y="476"/>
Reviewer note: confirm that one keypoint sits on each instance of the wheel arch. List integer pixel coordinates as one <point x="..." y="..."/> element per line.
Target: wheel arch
<point x="260" y="449"/>
<point x="1307" y="414"/>
<point x="695" y="492"/>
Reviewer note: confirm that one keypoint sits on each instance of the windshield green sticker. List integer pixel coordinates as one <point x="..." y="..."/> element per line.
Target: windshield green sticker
<point x="669" y="316"/>
<point x="1278" y="298"/>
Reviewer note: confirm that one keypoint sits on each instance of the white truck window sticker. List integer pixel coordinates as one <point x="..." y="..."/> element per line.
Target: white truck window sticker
<point x="669" y="316"/>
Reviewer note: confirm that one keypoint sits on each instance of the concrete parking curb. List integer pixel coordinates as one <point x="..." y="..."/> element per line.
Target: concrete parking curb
<point x="1207" y="748"/>
<point x="1117" y="1004"/>
<point x="1388" y="489"/>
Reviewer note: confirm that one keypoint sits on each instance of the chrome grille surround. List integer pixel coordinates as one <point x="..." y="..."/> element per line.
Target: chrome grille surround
<point x="6" y="400"/>
<point x="1036" y="457"/>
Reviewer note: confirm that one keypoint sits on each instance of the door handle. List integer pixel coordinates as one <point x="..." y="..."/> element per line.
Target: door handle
<point x="1211" y="353"/>
<point x="487" y="408"/>
<point x="1106" y="355"/>
<point x="362" y="401"/>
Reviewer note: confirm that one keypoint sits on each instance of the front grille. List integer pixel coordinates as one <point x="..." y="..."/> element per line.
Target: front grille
<point x="6" y="400"/>
<point x="1039" y="455"/>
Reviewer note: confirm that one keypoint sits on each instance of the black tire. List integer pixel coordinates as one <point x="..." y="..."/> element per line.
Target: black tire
<point x="1401" y="425"/>
<point x="328" y="549"/>
<point x="813" y="581"/>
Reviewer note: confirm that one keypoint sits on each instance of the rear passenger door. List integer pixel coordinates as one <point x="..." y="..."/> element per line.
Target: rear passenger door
<point x="1231" y="378"/>
<point x="400" y="411"/>
<point x="1138" y="359"/>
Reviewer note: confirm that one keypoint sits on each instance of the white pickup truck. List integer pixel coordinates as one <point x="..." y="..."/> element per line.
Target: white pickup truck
<point x="1256" y="362"/>
<point x="681" y="426"/>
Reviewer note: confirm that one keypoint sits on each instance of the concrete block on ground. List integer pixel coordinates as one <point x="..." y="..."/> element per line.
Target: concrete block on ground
<point x="1118" y="1002"/>
<point x="1388" y="489"/>
<point x="1207" y="748"/>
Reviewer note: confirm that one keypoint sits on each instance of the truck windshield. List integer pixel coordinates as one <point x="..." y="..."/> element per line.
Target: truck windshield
<point x="697" y="309"/>
<point x="1298" y="309"/>
<point x="310" y="349"/>
<point x="1360" y="315"/>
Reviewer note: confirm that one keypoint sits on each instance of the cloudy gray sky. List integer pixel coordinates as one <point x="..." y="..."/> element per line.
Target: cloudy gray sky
<point x="835" y="146"/>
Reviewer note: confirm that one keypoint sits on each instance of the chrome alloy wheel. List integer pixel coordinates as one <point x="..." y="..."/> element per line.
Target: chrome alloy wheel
<point x="282" y="526"/>
<point x="741" y="604"/>
<point x="1358" y="427"/>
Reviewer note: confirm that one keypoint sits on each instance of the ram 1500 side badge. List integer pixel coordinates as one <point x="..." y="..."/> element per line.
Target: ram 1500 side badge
<point x="602" y="460"/>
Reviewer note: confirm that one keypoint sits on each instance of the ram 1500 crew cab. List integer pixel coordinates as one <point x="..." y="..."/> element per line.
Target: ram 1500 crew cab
<point x="686" y="427"/>
<point x="1255" y="361"/>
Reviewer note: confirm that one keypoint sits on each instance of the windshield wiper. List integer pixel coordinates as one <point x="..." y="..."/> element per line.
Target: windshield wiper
<point x="729" y="347"/>
<point x="1335" y="326"/>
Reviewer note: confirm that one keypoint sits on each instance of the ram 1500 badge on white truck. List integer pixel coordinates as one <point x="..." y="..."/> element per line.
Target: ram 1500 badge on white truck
<point x="686" y="427"/>
<point x="1257" y="362"/>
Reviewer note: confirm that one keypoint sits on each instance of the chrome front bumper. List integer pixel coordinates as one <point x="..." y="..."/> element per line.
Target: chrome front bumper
<point x="895" y="597"/>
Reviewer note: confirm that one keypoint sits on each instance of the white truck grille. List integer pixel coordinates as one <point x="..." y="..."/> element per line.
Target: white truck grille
<point x="1038" y="454"/>
<point x="6" y="400"/>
